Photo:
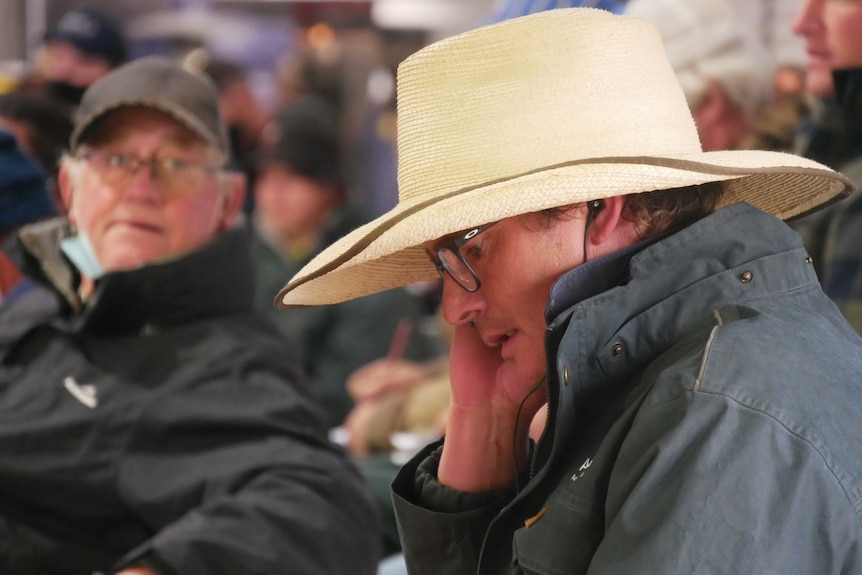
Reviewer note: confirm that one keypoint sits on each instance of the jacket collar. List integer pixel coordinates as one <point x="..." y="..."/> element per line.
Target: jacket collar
<point x="214" y="280"/>
<point x="659" y="295"/>
<point x="672" y="288"/>
<point x="593" y="278"/>
<point x="848" y="89"/>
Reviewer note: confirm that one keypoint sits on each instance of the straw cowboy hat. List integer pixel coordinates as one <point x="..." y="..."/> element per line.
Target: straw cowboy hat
<point x="547" y="110"/>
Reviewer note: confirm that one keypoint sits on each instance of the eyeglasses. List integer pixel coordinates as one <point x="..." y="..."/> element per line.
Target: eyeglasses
<point x="171" y="175"/>
<point x="450" y="260"/>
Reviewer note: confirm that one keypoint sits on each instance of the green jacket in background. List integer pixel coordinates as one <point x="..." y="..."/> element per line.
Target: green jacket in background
<point x="335" y="340"/>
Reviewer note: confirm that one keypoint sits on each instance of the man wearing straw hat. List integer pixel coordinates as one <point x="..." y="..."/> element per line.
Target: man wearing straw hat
<point x="703" y="393"/>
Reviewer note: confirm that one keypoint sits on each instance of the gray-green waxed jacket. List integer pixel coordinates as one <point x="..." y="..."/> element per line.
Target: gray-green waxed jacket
<point x="705" y="417"/>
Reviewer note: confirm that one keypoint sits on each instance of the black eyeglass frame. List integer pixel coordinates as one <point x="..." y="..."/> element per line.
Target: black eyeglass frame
<point x="454" y="247"/>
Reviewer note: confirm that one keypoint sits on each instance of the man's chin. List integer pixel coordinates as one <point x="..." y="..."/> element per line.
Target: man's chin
<point x="819" y="83"/>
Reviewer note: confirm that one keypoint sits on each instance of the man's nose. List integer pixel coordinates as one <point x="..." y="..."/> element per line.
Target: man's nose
<point x="143" y="182"/>
<point x="806" y="17"/>
<point x="459" y="305"/>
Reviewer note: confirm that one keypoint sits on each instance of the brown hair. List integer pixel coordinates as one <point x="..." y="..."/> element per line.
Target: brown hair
<point x="665" y="210"/>
<point x="660" y="211"/>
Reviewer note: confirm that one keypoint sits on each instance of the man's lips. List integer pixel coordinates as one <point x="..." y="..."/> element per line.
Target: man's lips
<point x="500" y="340"/>
<point x="137" y="225"/>
<point x="817" y="55"/>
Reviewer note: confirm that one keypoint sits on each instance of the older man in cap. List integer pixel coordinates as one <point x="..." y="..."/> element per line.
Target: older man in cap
<point x="702" y="391"/>
<point x="151" y="422"/>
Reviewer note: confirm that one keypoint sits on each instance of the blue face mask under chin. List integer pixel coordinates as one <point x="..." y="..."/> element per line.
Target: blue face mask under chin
<point x="80" y="251"/>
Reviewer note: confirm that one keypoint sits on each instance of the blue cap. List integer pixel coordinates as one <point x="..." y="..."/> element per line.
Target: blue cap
<point x="93" y="32"/>
<point x="24" y="196"/>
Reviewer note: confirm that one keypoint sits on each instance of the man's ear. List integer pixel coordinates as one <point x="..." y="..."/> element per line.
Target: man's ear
<point x="609" y="230"/>
<point x="65" y="183"/>
<point x="234" y="196"/>
<point x="606" y="219"/>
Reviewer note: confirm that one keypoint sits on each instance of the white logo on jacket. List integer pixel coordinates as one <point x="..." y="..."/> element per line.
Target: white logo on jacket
<point x="582" y="469"/>
<point x="86" y="394"/>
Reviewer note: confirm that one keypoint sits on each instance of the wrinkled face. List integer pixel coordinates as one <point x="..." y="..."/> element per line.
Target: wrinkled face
<point x="833" y="39"/>
<point x="290" y="205"/>
<point x="517" y="261"/>
<point x="144" y="220"/>
<point x="60" y="61"/>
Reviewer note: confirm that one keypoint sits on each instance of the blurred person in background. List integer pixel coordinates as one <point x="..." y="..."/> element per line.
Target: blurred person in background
<point x="506" y="9"/>
<point x="151" y="421"/>
<point x="766" y="25"/>
<point x="776" y="127"/>
<point x="726" y="82"/>
<point x="244" y="115"/>
<point x="400" y="405"/>
<point x="87" y="43"/>
<point x="833" y="135"/>
<point x="24" y="198"/>
<point x="300" y="209"/>
<point x="317" y="71"/>
<point x="42" y="127"/>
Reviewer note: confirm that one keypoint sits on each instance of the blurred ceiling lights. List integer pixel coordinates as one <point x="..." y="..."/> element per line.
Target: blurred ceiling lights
<point x="428" y="14"/>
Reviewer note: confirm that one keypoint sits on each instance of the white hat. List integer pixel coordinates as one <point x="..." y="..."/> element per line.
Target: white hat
<point x="546" y="110"/>
<point x="704" y="41"/>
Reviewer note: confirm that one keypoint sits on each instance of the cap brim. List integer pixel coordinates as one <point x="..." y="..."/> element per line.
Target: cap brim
<point x="86" y="124"/>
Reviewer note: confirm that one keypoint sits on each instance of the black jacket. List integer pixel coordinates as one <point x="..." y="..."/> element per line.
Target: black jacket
<point x="833" y="134"/>
<point x="833" y="235"/>
<point x="166" y="422"/>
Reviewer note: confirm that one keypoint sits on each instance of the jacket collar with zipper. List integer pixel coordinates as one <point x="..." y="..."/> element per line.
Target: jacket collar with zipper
<point x="213" y="280"/>
<point x="599" y="345"/>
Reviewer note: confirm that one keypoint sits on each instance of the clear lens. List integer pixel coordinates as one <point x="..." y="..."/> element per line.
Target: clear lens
<point x="171" y="175"/>
<point x="457" y="268"/>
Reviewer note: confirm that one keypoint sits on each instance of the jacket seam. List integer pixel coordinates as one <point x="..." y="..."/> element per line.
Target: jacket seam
<point x="707" y="348"/>
<point x="854" y="501"/>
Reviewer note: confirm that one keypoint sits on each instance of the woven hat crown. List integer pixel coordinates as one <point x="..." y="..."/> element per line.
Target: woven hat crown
<point x="485" y="105"/>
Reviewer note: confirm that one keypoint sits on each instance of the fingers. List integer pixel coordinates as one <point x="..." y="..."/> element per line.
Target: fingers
<point x="384" y="375"/>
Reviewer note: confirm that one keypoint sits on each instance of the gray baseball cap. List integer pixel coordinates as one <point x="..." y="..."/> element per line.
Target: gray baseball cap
<point x="158" y="83"/>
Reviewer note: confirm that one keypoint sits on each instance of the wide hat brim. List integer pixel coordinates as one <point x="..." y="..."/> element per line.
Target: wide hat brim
<point x="388" y="252"/>
<point x="574" y="105"/>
